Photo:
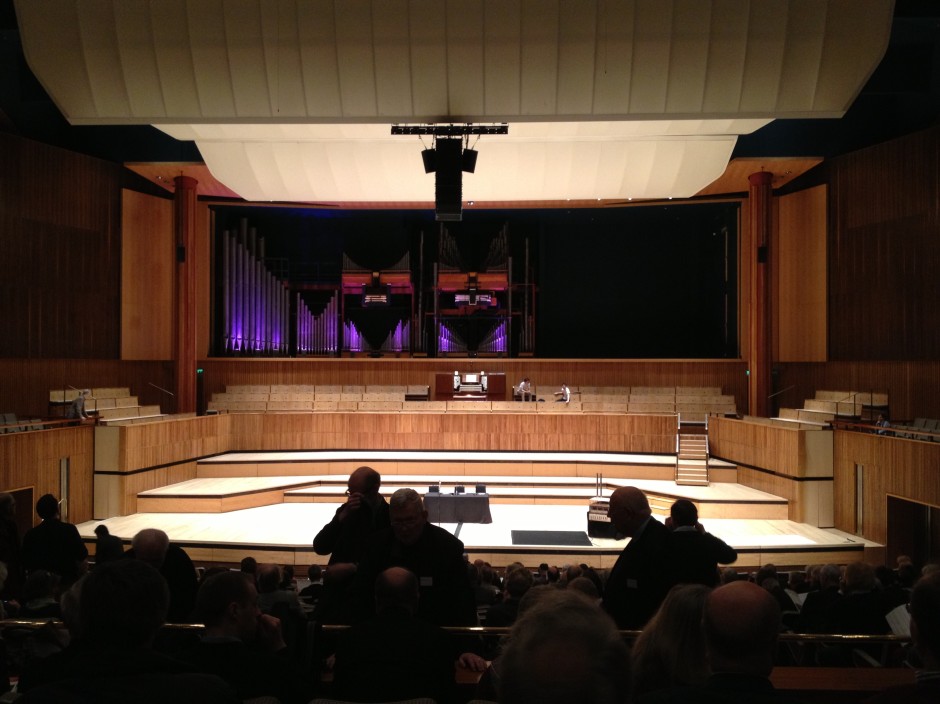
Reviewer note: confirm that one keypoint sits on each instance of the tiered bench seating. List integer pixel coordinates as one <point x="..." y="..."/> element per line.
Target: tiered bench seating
<point x="111" y="404"/>
<point x="826" y="406"/>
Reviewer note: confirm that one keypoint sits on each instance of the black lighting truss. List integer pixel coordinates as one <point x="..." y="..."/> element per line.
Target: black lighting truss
<point x="451" y="130"/>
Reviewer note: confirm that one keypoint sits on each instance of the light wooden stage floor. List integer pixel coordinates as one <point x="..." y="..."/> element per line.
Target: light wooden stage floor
<point x="280" y="526"/>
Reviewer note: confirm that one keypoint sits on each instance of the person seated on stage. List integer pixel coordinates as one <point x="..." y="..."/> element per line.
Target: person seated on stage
<point x="503" y="613"/>
<point x="483" y="381"/>
<point x="456" y="380"/>
<point x="524" y="390"/>
<point x="564" y="394"/>
<point x="670" y="651"/>
<point x="243" y="646"/>
<point x="397" y="655"/>
<point x="694" y="554"/>
<point x="77" y="409"/>
<point x="121" y="605"/>
<point x="563" y="649"/>
<point x="430" y="552"/>
<point x="153" y="546"/>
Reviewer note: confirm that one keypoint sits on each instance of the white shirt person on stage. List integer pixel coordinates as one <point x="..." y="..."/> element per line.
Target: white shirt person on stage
<point x="524" y="390"/>
<point x="564" y="395"/>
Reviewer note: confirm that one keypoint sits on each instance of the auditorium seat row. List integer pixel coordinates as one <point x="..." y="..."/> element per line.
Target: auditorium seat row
<point x="827" y="405"/>
<point x="111" y="404"/>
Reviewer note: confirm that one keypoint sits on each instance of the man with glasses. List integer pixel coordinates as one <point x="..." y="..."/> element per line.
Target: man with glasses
<point x="431" y="553"/>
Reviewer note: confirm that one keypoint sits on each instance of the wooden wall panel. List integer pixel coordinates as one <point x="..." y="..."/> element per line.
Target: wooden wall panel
<point x="25" y="383"/>
<point x="60" y="231"/>
<point x="546" y="374"/>
<point x="913" y="388"/>
<point x="884" y="260"/>
<point x="892" y="466"/>
<point x="799" y="261"/>
<point x="31" y="459"/>
<point x="147" y="277"/>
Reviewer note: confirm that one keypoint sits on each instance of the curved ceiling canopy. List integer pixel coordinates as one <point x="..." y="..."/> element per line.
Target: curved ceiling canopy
<point x="607" y="98"/>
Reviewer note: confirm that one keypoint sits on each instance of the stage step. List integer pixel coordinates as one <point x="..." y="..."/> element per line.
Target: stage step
<point x="692" y="460"/>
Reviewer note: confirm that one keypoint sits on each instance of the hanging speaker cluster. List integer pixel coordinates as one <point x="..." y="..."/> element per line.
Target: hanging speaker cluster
<point x="448" y="159"/>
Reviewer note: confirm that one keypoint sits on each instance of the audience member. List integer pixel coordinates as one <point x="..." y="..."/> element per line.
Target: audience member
<point x="287" y="578"/>
<point x="273" y="598"/>
<point x="503" y="613"/>
<point x="670" y="652"/>
<point x="728" y="575"/>
<point x="741" y="622"/>
<point x="10" y="548"/>
<point x="485" y="593"/>
<point x="249" y="565"/>
<point x="107" y="547"/>
<point x="860" y="610"/>
<point x="768" y="578"/>
<point x="814" y="614"/>
<point x="121" y="606"/>
<point x="694" y="555"/>
<point x="243" y="646"/>
<point x="311" y="592"/>
<point x="365" y="512"/>
<point x="54" y="545"/>
<point x="430" y="552"/>
<point x="562" y="650"/>
<point x="585" y="586"/>
<point x="397" y="655"/>
<point x="639" y="580"/>
<point x="41" y="595"/>
<point x="925" y="635"/>
<point x="153" y="546"/>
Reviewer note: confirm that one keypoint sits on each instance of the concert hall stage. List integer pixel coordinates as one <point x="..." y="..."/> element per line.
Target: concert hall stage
<point x="270" y="505"/>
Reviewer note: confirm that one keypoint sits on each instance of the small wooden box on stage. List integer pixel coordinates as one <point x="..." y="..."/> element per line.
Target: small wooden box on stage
<point x="598" y="524"/>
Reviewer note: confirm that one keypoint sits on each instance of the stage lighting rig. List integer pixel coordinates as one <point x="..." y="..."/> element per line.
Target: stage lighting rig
<point x="448" y="157"/>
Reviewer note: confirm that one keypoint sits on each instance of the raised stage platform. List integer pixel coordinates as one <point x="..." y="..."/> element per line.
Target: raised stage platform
<point x="270" y="505"/>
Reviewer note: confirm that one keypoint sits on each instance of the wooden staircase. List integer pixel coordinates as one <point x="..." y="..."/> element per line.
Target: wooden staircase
<point x="692" y="459"/>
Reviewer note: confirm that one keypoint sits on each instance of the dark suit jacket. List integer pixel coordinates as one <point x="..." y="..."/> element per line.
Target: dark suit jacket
<point x="54" y="546"/>
<point x="345" y="541"/>
<point x="181" y="578"/>
<point x="392" y="657"/>
<point x="695" y="556"/>
<point x="640" y="578"/>
<point x="437" y="561"/>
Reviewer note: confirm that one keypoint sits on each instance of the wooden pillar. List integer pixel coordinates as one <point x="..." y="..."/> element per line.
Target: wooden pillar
<point x="185" y="213"/>
<point x="759" y="358"/>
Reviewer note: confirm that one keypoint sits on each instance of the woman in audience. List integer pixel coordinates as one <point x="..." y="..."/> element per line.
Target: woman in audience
<point x="670" y="652"/>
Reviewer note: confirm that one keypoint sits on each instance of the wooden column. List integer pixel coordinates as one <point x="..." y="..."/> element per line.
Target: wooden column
<point x="185" y="214"/>
<point x="759" y="357"/>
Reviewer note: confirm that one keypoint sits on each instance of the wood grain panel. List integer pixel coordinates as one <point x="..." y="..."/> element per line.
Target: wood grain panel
<point x="31" y="459"/>
<point x="891" y="466"/>
<point x="799" y="263"/>
<point x="147" y="277"/>
<point x="60" y="230"/>
<point x="883" y="259"/>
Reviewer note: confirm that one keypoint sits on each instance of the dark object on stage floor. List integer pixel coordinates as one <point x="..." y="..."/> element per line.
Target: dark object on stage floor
<point x="459" y="489"/>
<point x="481" y="488"/>
<point x="434" y="489"/>
<point x="566" y="538"/>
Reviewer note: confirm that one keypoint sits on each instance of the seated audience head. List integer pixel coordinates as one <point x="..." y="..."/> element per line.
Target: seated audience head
<point x="7" y="506"/>
<point x="150" y="545"/>
<point x="830" y="576"/>
<point x="585" y="586"/>
<point x="365" y="481"/>
<point x="683" y="513"/>
<point x="907" y="575"/>
<point x="122" y="604"/>
<point x="47" y="507"/>
<point x="249" y="565"/>
<point x="41" y="584"/>
<point x="572" y="572"/>
<point x="314" y="573"/>
<point x="628" y="509"/>
<point x="925" y="619"/>
<point x="407" y="515"/>
<point x="396" y="589"/>
<point x="227" y="604"/>
<point x="741" y="622"/>
<point x="564" y="649"/>
<point x="728" y="575"/>
<point x="858" y="577"/>
<point x="670" y="651"/>
<point x="101" y="530"/>
<point x="268" y="577"/>
<point x="517" y="583"/>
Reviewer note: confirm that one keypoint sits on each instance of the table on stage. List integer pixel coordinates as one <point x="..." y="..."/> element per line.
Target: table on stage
<point x="458" y="508"/>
